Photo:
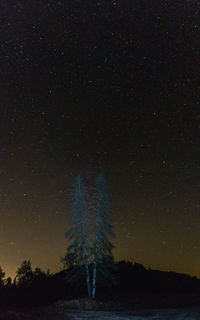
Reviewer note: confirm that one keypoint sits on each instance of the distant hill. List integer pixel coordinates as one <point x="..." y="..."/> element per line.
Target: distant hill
<point x="130" y="278"/>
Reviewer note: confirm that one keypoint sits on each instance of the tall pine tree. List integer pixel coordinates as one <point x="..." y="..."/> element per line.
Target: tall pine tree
<point x="77" y="252"/>
<point x="102" y="248"/>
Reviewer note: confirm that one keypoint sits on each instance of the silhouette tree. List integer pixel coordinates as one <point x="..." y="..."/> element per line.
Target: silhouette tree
<point x="70" y="260"/>
<point x="39" y="280"/>
<point x="102" y="248"/>
<point x="24" y="274"/>
<point x="2" y="275"/>
<point x="15" y="282"/>
<point x="8" y="282"/>
<point x="48" y="273"/>
<point x="38" y="273"/>
<point x="77" y="252"/>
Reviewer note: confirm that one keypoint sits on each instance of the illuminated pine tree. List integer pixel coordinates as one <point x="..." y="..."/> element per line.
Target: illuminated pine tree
<point x="77" y="252"/>
<point x="102" y="248"/>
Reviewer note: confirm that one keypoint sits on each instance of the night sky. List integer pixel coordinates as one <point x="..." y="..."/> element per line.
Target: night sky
<point x="108" y="85"/>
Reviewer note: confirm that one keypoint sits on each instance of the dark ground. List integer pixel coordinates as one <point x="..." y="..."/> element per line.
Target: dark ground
<point x="84" y="309"/>
<point x="45" y="314"/>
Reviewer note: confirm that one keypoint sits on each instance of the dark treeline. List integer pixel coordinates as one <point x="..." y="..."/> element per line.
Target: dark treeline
<point x="36" y="287"/>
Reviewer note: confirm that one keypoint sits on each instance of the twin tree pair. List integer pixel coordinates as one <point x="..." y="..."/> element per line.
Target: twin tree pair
<point x="90" y="249"/>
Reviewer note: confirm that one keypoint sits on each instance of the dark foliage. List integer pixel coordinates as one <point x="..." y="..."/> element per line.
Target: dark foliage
<point x="130" y="280"/>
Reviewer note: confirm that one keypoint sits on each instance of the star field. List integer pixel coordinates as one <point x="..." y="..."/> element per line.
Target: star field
<point x="107" y="85"/>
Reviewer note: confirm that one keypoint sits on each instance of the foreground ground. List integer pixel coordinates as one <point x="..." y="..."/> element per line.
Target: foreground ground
<point x="168" y="314"/>
<point x="152" y="307"/>
<point x="50" y="314"/>
<point x="104" y="315"/>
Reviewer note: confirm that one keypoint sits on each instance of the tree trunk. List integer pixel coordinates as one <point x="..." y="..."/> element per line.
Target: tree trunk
<point x="95" y="249"/>
<point x="85" y="252"/>
<point x="95" y="263"/>
<point x="87" y="270"/>
<point x="94" y="280"/>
